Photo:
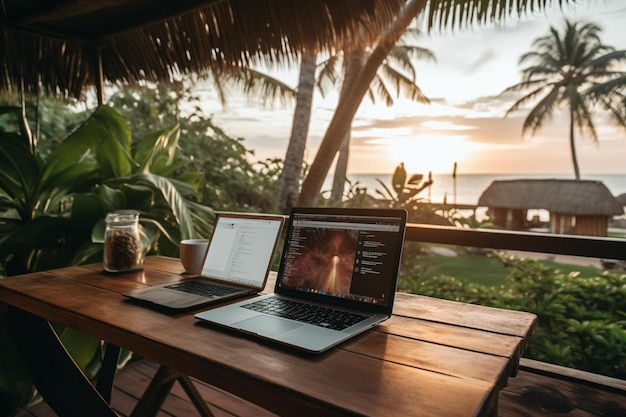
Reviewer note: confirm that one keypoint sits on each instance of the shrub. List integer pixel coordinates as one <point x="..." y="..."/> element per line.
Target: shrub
<point x="582" y="321"/>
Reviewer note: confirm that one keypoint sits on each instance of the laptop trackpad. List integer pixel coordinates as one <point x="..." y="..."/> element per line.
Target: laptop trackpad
<point x="266" y="325"/>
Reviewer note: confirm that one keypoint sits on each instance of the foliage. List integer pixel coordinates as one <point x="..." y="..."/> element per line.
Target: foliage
<point x="51" y="207"/>
<point x="229" y="181"/>
<point x="403" y="194"/>
<point x="404" y="190"/>
<point x="151" y="107"/>
<point x="52" y="210"/>
<point x="50" y="118"/>
<point x="582" y="323"/>
<point x="471" y="222"/>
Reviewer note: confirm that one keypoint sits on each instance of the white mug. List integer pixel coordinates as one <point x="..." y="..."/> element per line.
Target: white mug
<point x="192" y="253"/>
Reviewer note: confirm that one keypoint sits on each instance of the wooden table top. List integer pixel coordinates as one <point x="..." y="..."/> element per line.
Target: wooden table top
<point x="432" y="358"/>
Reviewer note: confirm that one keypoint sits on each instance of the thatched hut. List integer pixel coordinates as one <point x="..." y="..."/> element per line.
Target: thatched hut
<point x="575" y="207"/>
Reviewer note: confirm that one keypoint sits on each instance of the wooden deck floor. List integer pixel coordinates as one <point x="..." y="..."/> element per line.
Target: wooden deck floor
<point x="535" y="391"/>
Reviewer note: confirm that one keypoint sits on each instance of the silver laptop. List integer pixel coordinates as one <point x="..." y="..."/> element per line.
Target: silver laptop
<point x="237" y="262"/>
<point x="337" y="278"/>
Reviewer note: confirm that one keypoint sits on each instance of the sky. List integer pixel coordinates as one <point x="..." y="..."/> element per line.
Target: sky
<point x="465" y="121"/>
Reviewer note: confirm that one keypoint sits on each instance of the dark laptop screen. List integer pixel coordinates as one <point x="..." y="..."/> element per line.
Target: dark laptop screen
<point x="347" y="254"/>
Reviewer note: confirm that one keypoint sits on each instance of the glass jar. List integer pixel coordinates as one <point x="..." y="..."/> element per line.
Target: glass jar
<point x="123" y="251"/>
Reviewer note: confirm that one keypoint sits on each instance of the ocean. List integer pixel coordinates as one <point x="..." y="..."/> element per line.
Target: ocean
<point x="468" y="188"/>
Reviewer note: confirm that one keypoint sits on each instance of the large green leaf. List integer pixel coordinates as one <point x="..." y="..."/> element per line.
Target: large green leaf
<point x="20" y="168"/>
<point x="104" y="137"/>
<point x="112" y="198"/>
<point x="80" y="346"/>
<point x="173" y="193"/>
<point x="157" y="149"/>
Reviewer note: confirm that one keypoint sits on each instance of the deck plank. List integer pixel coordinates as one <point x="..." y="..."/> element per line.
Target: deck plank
<point x="529" y="394"/>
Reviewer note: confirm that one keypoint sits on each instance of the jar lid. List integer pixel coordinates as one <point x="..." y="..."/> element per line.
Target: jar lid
<point x="122" y="216"/>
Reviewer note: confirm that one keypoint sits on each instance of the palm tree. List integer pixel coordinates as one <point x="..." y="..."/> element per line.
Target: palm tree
<point x="289" y="181"/>
<point x="349" y="62"/>
<point x="396" y="73"/>
<point x="444" y="13"/>
<point x="571" y="69"/>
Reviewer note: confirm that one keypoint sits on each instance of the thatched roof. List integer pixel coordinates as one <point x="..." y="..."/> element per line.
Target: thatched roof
<point x="561" y="196"/>
<point x="622" y="199"/>
<point x="65" y="45"/>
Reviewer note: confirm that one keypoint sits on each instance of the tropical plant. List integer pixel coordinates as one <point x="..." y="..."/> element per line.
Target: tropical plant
<point x="52" y="211"/>
<point x="404" y="188"/>
<point x="51" y="207"/>
<point x="230" y="181"/>
<point x="442" y="13"/>
<point x="571" y="69"/>
<point x="403" y="192"/>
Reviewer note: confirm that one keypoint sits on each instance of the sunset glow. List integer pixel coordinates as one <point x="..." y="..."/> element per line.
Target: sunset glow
<point x="464" y="121"/>
<point x="422" y="154"/>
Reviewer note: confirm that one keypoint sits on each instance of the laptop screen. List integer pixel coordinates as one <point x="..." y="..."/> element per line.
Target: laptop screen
<point x="241" y="248"/>
<point x="347" y="254"/>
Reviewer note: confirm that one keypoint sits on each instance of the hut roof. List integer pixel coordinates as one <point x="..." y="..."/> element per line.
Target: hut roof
<point x="61" y="45"/>
<point x="573" y="197"/>
<point x="622" y="199"/>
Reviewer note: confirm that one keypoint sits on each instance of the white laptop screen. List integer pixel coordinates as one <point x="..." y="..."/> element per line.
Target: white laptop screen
<point x="241" y="249"/>
<point x="350" y="257"/>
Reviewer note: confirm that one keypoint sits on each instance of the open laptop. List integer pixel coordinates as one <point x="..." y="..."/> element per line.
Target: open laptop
<point x="237" y="262"/>
<point x="339" y="263"/>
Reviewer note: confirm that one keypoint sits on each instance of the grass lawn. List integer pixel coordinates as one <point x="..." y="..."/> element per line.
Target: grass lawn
<point x="485" y="270"/>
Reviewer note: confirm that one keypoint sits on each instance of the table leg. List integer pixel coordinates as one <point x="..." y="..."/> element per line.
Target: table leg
<point x="106" y="376"/>
<point x="152" y="399"/>
<point x="58" y="379"/>
<point x="194" y="396"/>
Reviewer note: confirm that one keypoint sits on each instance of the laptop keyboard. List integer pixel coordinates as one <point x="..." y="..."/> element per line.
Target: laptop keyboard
<point x="306" y="313"/>
<point x="202" y="288"/>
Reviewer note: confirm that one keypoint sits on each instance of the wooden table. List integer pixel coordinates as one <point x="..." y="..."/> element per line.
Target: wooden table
<point x="432" y="358"/>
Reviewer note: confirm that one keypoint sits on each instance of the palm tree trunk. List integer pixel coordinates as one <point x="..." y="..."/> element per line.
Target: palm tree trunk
<point x="354" y="61"/>
<point x="572" y="145"/>
<point x="341" y="171"/>
<point x="349" y="104"/>
<point x="289" y="182"/>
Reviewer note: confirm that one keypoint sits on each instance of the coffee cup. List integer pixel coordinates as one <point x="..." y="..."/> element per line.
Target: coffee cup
<point x="192" y="253"/>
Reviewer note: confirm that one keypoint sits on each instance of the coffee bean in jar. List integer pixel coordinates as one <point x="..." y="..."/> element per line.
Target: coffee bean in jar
<point x="123" y="251"/>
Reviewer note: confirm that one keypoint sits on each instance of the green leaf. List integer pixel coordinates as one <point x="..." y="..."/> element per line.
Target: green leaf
<point x="20" y="169"/>
<point x="173" y="193"/>
<point x="158" y="146"/>
<point x="104" y="137"/>
<point x="80" y="346"/>
<point x="87" y="208"/>
<point x="112" y="198"/>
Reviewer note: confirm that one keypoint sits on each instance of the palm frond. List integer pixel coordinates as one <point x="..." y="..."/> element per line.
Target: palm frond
<point x="329" y="73"/>
<point x="258" y="84"/>
<point x="541" y="112"/>
<point x="380" y="89"/>
<point x="463" y="13"/>
<point x="404" y="84"/>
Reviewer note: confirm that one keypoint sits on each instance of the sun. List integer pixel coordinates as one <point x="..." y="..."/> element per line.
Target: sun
<point x="431" y="153"/>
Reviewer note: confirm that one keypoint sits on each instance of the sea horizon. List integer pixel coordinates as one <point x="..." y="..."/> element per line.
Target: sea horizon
<point x="467" y="188"/>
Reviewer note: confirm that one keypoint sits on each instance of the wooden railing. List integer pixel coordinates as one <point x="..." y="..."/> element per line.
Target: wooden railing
<point x="591" y="247"/>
